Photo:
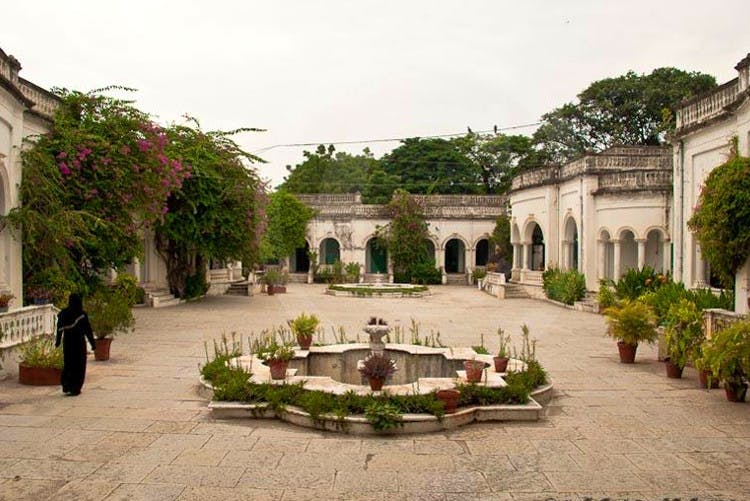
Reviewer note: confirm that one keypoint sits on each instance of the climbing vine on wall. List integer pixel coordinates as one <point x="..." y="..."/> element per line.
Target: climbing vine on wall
<point x="721" y="220"/>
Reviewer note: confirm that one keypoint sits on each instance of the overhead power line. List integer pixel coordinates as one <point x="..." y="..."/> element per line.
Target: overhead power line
<point x="494" y="130"/>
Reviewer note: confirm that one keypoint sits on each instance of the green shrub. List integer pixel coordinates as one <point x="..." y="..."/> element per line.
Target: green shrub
<point x="421" y="272"/>
<point x="109" y="312"/>
<point x="727" y="353"/>
<point x="631" y="322"/>
<point x="635" y="282"/>
<point x="195" y="286"/>
<point x="564" y="286"/>
<point x="383" y="416"/>
<point x="40" y="351"/>
<point x="684" y="331"/>
<point x="705" y="299"/>
<point x="606" y="296"/>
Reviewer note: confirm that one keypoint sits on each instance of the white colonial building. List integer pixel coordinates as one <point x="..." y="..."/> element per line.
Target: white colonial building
<point x="707" y="128"/>
<point x="600" y="215"/>
<point x="343" y="229"/>
<point x="25" y="110"/>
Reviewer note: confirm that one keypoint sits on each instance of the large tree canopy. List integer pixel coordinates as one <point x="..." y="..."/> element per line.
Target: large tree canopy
<point x="496" y="158"/>
<point x="629" y="109"/>
<point x="217" y="213"/>
<point x="721" y="221"/>
<point x="287" y="226"/>
<point x="329" y="171"/>
<point x="89" y="186"/>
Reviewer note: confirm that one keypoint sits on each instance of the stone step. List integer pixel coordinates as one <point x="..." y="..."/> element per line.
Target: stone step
<point x="298" y="278"/>
<point x="456" y="279"/>
<point x="513" y="291"/>
<point x="159" y="298"/>
<point x="238" y="288"/>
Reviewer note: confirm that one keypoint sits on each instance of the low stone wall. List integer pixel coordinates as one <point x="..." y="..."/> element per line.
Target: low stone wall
<point x="715" y="319"/>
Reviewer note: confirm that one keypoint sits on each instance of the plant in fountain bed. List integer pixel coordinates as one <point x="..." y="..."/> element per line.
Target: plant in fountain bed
<point x="501" y="359"/>
<point x="304" y="327"/>
<point x="377" y="368"/>
<point x="276" y="356"/>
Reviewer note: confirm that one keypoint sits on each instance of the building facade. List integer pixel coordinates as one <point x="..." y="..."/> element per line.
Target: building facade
<point x="601" y="215"/>
<point x="708" y="127"/>
<point x="26" y="110"/>
<point x="343" y="229"/>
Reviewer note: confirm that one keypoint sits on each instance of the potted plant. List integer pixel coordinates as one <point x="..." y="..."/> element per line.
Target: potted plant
<point x="377" y="368"/>
<point x="449" y="398"/>
<point x="40" y="362"/>
<point x="474" y="370"/>
<point x="304" y="327"/>
<point x="110" y="314"/>
<point x="275" y="281"/>
<point x="502" y="358"/>
<point x="39" y="295"/>
<point x="276" y="356"/>
<point x="683" y="334"/>
<point x="630" y="323"/>
<point x="706" y="378"/>
<point x="5" y="301"/>
<point x="727" y="355"/>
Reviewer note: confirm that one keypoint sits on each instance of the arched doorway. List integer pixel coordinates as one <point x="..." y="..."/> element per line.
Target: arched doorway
<point x="376" y="257"/>
<point x="455" y="256"/>
<point x="628" y="252"/>
<point x="537" y="248"/>
<point x="300" y="262"/>
<point x="330" y="251"/>
<point x="482" y="253"/>
<point x="429" y="250"/>
<point x="570" y="245"/>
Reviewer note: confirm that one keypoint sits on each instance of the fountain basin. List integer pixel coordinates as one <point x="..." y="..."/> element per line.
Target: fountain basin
<point x="378" y="290"/>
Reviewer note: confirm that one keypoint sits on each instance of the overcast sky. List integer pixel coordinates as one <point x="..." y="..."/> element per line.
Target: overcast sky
<point x="312" y="71"/>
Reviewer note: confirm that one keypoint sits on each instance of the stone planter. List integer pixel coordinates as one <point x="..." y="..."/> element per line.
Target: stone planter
<point x="101" y="349"/>
<point x="278" y="368"/>
<point x="449" y="399"/>
<point x="38" y="376"/>
<point x="627" y="352"/>
<point x="674" y="371"/>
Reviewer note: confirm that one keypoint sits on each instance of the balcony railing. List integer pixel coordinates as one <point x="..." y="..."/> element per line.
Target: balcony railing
<point x="706" y="107"/>
<point x="23" y="324"/>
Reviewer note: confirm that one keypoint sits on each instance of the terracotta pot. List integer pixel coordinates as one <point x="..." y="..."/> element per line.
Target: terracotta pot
<point x="736" y="392"/>
<point x="38" y="376"/>
<point x="627" y="352"/>
<point x="304" y="342"/>
<point x="376" y="383"/>
<point x="449" y="399"/>
<point x="474" y="370"/>
<point x="269" y="290"/>
<point x="278" y="368"/>
<point x="501" y="364"/>
<point x="704" y="376"/>
<point x="101" y="349"/>
<point x="674" y="371"/>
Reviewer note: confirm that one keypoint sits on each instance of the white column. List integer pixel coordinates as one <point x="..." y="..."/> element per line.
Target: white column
<point x="641" y="252"/>
<point x="667" y="257"/>
<point x="565" y="258"/>
<point x="601" y="271"/>
<point x="517" y="255"/>
<point x="616" y="272"/>
<point x="700" y="268"/>
<point x="526" y="256"/>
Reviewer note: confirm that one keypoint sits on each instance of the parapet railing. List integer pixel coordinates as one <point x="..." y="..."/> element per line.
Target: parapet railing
<point x="21" y="325"/>
<point x="708" y="106"/>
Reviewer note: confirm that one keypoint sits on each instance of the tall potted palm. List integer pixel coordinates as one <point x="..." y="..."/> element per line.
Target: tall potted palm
<point x="110" y="314"/>
<point x="631" y="322"/>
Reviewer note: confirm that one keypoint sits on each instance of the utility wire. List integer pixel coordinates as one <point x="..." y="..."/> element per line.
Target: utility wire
<point x="390" y="140"/>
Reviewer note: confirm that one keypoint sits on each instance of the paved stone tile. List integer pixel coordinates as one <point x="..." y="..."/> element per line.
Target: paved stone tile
<point x="150" y="455"/>
<point x="338" y="462"/>
<point x="28" y="489"/>
<point x="225" y="494"/>
<point x="50" y="469"/>
<point x="409" y="461"/>
<point x="340" y="445"/>
<point x="27" y="434"/>
<point x="171" y="427"/>
<point x="611" y="446"/>
<point x="484" y="496"/>
<point x="179" y="441"/>
<point x="724" y="460"/>
<point x="483" y="463"/>
<point x="84" y="490"/>
<point x="296" y="494"/>
<point x="543" y="462"/>
<point x="285" y="444"/>
<point x="501" y="446"/>
<point x="603" y="461"/>
<point x="602" y="480"/>
<point x="517" y="481"/>
<point x="222" y="428"/>
<point x="38" y="450"/>
<point x="658" y="461"/>
<point x="129" y="473"/>
<point x="146" y="492"/>
<point x="250" y="459"/>
<point x="722" y="479"/>
<point x="442" y="482"/>
<point x="200" y="476"/>
<point x="428" y="446"/>
<point x="200" y="457"/>
<point x="675" y="481"/>
<point x="309" y="478"/>
<point x="25" y="421"/>
<point x="118" y="424"/>
<point x="353" y="482"/>
<point x="398" y="445"/>
<point x="96" y="452"/>
<point x="233" y="442"/>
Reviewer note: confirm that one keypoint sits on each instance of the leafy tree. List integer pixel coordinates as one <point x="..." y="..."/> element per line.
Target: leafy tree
<point x="432" y="165"/>
<point x="629" y="109"/>
<point x="405" y="236"/>
<point x="501" y="238"/>
<point x="217" y="213"/>
<point x="329" y="171"/>
<point x="497" y="158"/>
<point x="721" y="221"/>
<point x="287" y="226"/>
<point x="89" y="186"/>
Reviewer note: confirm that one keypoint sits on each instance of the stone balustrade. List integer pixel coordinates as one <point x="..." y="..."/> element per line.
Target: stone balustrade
<point x="716" y="319"/>
<point x="635" y="181"/>
<point x="20" y="325"/>
<point x="707" y="106"/>
<point x="40" y="101"/>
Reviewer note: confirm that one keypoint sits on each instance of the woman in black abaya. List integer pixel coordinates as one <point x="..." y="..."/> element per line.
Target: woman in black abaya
<point x="72" y="326"/>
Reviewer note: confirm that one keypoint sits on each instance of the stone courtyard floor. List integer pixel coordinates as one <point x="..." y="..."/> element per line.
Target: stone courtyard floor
<point x="139" y="430"/>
